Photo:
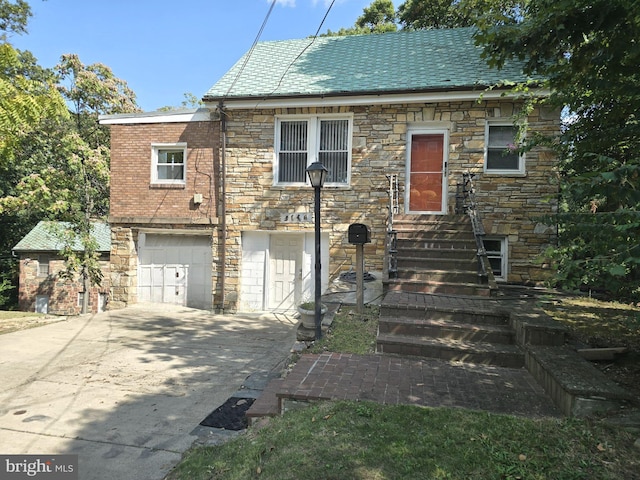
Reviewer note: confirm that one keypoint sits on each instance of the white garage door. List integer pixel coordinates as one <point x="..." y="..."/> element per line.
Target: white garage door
<point x="175" y="269"/>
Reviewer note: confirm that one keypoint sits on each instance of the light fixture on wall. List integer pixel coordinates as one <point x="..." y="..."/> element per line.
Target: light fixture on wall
<point x="317" y="175"/>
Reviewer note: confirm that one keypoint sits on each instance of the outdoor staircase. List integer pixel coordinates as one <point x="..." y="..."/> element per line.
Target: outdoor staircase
<point x="435" y="254"/>
<point x="464" y="332"/>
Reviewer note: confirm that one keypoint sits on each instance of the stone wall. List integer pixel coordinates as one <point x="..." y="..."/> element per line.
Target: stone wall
<point x="510" y="204"/>
<point x="124" y="267"/>
<point x="62" y="293"/>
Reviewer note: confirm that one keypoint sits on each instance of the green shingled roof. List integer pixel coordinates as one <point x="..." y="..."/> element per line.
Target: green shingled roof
<point x="405" y="61"/>
<point x="43" y="238"/>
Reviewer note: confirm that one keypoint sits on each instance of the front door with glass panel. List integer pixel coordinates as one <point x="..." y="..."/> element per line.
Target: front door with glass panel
<point x="426" y="173"/>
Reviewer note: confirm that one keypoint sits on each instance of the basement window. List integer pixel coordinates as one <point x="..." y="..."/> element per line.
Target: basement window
<point x="496" y="248"/>
<point x="169" y="163"/>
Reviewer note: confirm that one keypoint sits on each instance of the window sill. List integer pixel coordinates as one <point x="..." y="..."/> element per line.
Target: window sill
<point x="167" y="186"/>
<point x="307" y="186"/>
<point x="488" y="173"/>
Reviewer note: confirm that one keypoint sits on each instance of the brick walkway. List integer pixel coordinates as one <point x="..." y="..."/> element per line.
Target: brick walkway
<point x="399" y="380"/>
<point x="429" y="382"/>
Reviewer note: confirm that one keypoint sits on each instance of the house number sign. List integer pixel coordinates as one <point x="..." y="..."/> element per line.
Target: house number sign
<point x="297" y="217"/>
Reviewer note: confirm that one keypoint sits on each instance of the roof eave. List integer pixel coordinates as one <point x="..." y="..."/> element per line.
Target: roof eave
<point x="365" y="97"/>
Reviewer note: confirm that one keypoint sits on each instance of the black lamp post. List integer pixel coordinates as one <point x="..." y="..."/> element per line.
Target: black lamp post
<point x="317" y="175"/>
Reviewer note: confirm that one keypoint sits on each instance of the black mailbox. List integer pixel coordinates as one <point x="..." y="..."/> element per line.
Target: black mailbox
<point x="359" y="233"/>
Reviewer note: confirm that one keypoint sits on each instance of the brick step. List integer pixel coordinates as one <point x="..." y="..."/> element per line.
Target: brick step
<point x="434" y="263"/>
<point x="432" y="220"/>
<point x="423" y="237"/>
<point x="481" y="353"/>
<point x="446" y="255"/>
<point x="432" y="275"/>
<point x="267" y="404"/>
<point x="576" y="386"/>
<point x="448" y="288"/>
<point x="445" y="329"/>
<point x="467" y="312"/>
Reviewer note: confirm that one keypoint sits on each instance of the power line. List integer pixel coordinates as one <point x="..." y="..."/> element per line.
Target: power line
<point x="313" y="39"/>
<point x="253" y="46"/>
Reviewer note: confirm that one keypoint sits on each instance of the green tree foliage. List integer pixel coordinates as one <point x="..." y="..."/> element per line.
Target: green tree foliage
<point x="91" y="90"/>
<point x="427" y="14"/>
<point x="27" y="98"/>
<point x="590" y="51"/>
<point x="54" y="155"/>
<point x="379" y="17"/>
<point x="13" y="18"/>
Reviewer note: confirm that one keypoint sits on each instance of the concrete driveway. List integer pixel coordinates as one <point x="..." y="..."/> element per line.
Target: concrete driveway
<point x="126" y="390"/>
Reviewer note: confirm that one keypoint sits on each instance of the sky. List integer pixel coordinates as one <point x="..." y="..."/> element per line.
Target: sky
<point x="166" y="48"/>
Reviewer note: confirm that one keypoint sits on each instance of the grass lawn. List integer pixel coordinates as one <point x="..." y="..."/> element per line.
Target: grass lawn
<point x="361" y="440"/>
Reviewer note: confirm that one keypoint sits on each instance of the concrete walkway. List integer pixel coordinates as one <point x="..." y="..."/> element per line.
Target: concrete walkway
<point x="126" y="390"/>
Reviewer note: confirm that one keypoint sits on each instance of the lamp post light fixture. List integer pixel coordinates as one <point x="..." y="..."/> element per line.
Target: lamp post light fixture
<point x="317" y="175"/>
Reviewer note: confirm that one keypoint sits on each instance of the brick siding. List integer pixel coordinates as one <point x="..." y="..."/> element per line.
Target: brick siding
<point x="63" y="294"/>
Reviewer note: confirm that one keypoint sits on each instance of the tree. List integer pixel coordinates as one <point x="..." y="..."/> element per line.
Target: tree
<point x="190" y="101"/>
<point x="379" y="17"/>
<point x="54" y="155"/>
<point x="13" y="18"/>
<point x="91" y="90"/>
<point x="28" y="99"/>
<point x="589" y="51"/>
<point x="427" y="14"/>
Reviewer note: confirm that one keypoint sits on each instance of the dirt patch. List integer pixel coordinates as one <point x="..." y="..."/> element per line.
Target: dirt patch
<point x="15" y="321"/>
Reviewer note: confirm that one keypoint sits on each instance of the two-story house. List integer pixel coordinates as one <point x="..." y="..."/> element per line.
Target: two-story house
<point x="212" y="208"/>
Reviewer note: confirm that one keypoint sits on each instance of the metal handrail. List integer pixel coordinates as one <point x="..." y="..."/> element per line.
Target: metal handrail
<point x="466" y="203"/>
<point x="391" y="248"/>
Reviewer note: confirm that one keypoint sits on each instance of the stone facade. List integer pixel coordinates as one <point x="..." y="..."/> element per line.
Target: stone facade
<point x="511" y="205"/>
<point x="62" y="295"/>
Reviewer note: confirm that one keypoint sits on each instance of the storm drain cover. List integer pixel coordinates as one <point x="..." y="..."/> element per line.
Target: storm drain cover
<point x="230" y="415"/>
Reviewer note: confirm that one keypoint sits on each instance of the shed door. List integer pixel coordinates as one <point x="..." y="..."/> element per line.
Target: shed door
<point x="426" y="173"/>
<point x="42" y="304"/>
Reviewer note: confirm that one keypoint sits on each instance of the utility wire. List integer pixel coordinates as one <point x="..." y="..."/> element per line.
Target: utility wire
<point x="255" y="42"/>
<point x="313" y="39"/>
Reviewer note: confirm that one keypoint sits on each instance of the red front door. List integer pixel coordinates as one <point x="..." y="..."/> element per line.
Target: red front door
<point x="426" y="173"/>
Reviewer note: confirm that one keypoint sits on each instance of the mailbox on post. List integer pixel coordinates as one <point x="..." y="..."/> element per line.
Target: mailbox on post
<point x="359" y="234"/>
